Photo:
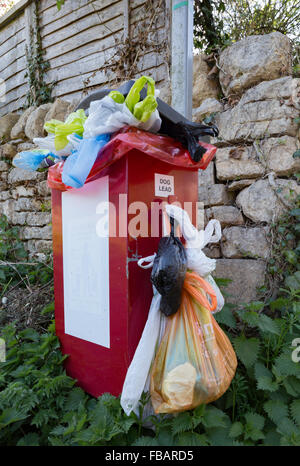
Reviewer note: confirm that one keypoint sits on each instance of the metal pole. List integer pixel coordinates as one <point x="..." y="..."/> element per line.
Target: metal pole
<point x="182" y="56"/>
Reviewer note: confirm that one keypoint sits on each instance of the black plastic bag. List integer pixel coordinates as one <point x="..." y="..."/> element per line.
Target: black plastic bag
<point x="189" y="135"/>
<point x="168" y="272"/>
<point x="173" y="123"/>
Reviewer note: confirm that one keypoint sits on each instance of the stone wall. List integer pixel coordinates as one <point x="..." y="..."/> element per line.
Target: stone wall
<point x="251" y="181"/>
<point x="24" y="196"/>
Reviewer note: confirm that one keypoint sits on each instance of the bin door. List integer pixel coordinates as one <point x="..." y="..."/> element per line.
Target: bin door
<point x="86" y="263"/>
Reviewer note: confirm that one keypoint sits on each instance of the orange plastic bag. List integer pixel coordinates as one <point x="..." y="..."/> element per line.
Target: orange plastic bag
<point x="195" y="362"/>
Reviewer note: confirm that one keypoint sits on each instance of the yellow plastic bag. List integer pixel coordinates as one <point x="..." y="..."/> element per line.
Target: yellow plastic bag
<point x="73" y="124"/>
<point x="195" y="362"/>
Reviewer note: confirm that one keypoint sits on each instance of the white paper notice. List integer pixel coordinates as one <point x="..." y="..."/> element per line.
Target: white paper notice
<point x="164" y="185"/>
<point x="86" y="264"/>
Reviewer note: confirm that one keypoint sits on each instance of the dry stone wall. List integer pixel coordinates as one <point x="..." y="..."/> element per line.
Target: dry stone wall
<point x="25" y="198"/>
<point x="247" y="187"/>
<point x="251" y="182"/>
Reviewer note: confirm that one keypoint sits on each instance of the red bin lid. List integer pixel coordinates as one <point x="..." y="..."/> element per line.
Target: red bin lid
<point x="160" y="147"/>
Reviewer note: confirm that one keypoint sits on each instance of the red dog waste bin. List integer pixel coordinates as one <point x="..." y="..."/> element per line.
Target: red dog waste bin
<point x="100" y="231"/>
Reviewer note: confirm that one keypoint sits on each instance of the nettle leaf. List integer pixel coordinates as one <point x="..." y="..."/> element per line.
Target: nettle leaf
<point x="295" y="411"/>
<point x="267" y="384"/>
<point x="181" y="423"/>
<point x="268" y="325"/>
<point x="250" y="318"/>
<point x="126" y="424"/>
<point x="226" y="317"/>
<point x="236" y="430"/>
<point x="284" y="364"/>
<point x="261" y="321"/>
<point x="272" y="439"/>
<point x="287" y="427"/>
<point x="214" y="417"/>
<point x="246" y="349"/>
<point x="256" y="306"/>
<point x="29" y="334"/>
<point x="10" y="416"/>
<point x="260" y="370"/>
<point x="292" y="385"/>
<point x="292" y="282"/>
<point x="192" y="439"/>
<point x="198" y="414"/>
<point x="29" y="440"/>
<point x="218" y="437"/>
<point x="254" y="426"/>
<point x="279" y="304"/>
<point x="276" y="410"/>
<point x="165" y="437"/>
<point x="75" y="398"/>
<point x="145" y="442"/>
<point x="255" y="420"/>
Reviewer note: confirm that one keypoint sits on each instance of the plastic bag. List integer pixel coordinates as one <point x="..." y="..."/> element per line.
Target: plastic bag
<point x="160" y="147"/>
<point x="137" y="378"/>
<point x="73" y="124"/>
<point x="195" y="241"/>
<point x="110" y="114"/>
<point x="142" y="110"/>
<point x="168" y="272"/>
<point x="195" y="362"/>
<point x="48" y="143"/>
<point x="188" y="134"/>
<point x="30" y="160"/>
<point x="79" y="164"/>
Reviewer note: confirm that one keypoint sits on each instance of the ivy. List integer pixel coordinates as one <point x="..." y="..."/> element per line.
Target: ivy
<point x="60" y="3"/>
<point x="39" y="91"/>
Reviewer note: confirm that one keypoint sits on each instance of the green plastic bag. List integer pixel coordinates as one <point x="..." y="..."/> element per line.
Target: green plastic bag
<point x="142" y="110"/>
<point x="117" y="97"/>
<point x="73" y="124"/>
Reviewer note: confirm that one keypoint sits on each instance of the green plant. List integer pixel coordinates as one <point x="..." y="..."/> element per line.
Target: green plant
<point x="60" y="3"/>
<point x="39" y="91"/>
<point x="40" y="404"/>
<point x="15" y="266"/>
<point x="209" y="32"/>
<point x="218" y="24"/>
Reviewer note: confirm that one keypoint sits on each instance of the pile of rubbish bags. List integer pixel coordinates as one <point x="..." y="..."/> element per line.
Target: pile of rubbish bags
<point x="73" y="149"/>
<point x="183" y="358"/>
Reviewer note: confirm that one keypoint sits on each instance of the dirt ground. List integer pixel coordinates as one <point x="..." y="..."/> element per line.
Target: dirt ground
<point x="26" y="307"/>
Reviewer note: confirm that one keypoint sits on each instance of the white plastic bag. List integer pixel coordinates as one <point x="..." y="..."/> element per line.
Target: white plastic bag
<point x="107" y="116"/>
<point x="196" y="240"/>
<point x="137" y="377"/>
<point x="48" y="143"/>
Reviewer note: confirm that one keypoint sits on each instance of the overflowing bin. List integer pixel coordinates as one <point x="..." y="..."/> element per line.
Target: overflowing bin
<point x="102" y="298"/>
<point x="123" y="170"/>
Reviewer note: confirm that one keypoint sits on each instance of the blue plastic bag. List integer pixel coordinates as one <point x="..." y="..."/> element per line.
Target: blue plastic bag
<point x="79" y="164"/>
<point x="30" y="160"/>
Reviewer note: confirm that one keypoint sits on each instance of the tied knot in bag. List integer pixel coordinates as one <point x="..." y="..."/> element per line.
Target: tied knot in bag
<point x="168" y="272"/>
<point x="196" y="240"/>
